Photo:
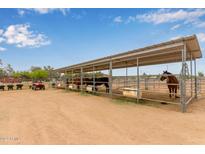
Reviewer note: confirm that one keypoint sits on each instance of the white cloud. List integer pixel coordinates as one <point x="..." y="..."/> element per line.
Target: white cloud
<point x="43" y="10"/>
<point x="130" y="19"/>
<point x="175" y="37"/>
<point x="167" y="15"/>
<point x="1" y="31"/>
<point x="21" y="36"/>
<point x="2" y="49"/>
<point x="118" y="19"/>
<point x="201" y="37"/>
<point x="200" y="24"/>
<point x="160" y="16"/>
<point x="175" y="27"/>
<point x="21" y="12"/>
<point x="2" y="39"/>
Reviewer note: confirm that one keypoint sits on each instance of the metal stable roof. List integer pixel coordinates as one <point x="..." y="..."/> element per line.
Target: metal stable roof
<point x="166" y="52"/>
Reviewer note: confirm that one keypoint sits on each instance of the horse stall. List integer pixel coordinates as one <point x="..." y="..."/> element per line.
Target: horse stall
<point x="110" y="75"/>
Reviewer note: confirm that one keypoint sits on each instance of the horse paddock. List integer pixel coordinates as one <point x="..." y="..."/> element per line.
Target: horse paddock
<point x="88" y="76"/>
<point x="63" y="117"/>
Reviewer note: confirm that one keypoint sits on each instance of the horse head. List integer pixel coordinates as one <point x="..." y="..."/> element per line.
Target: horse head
<point x="164" y="75"/>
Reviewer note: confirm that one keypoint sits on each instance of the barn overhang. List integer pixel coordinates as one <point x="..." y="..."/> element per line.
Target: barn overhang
<point x="166" y="52"/>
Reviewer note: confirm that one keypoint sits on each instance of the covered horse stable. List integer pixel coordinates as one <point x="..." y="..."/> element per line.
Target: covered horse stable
<point x="174" y="51"/>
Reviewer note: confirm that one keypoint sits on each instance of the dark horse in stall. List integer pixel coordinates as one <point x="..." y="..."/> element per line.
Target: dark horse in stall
<point x="89" y="81"/>
<point x="172" y="83"/>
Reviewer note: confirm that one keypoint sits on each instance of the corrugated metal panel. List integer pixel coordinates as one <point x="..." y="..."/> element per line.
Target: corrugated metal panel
<point x="166" y="52"/>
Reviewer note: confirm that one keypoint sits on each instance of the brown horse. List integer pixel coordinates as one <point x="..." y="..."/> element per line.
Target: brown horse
<point x="172" y="83"/>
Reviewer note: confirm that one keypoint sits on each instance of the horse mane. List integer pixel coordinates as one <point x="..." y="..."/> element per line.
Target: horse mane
<point x="172" y="79"/>
<point x="166" y="72"/>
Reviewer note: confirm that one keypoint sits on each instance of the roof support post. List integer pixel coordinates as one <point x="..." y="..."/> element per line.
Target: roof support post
<point x="126" y="78"/>
<point x="65" y="80"/>
<point x="138" y="81"/>
<point x="183" y="81"/>
<point x="195" y="79"/>
<point x="110" y="77"/>
<point x="191" y="72"/>
<point x="72" y="78"/>
<point x="93" y="79"/>
<point x="81" y="79"/>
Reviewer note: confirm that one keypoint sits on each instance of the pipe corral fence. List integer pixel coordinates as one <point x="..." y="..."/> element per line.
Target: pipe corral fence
<point x="186" y="50"/>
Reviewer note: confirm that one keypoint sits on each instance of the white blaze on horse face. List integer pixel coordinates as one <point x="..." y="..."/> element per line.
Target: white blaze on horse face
<point x="165" y="75"/>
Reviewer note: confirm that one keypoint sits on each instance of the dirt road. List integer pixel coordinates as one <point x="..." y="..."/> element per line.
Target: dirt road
<point x="59" y="117"/>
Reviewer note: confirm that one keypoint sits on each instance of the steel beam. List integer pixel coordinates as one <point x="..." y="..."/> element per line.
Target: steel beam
<point x="110" y="77"/>
<point x="191" y="72"/>
<point x="126" y="79"/>
<point x="72" y="77"/>
<point x="138" y="81"/>
<point x="81" y="78"/>
<point x="195" y="79"/>
<point x="93" y="78"/>
<point x="183" y="81"/>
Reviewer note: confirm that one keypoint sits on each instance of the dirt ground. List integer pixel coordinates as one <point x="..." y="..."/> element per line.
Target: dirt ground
<point x="60" y="117"/>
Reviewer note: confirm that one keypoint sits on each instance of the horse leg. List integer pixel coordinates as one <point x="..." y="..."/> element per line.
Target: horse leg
<point x="107" y="88"/>
<point x="176" y="93"/>
<point x="170" y="92"/>
<point x="173" y="92"/>
<point x="96" y="89"/>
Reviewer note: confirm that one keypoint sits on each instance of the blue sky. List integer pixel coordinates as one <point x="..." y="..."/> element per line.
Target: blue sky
<point x="62" y="37"/>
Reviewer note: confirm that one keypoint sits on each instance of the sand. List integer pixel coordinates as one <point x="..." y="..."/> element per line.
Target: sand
<point x="59" y="117"/>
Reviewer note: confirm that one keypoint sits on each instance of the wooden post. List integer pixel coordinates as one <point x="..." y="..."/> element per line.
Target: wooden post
<point x="110" y="77"/>
<point x="138" y="81"/>
<point x="81" y="79"/>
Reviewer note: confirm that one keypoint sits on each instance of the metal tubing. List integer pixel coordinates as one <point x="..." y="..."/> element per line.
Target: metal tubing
<point x="65" y="80"/>
<point x="183" y="82"/>
<point x="195" y="79"/>
<point x="81" y="78"/>
<point x="72" y="77"/>
<point x="125" y="84"/>
<point x="93" y="78"/>
<point x="132" y="58"/>
<point x="110" y="78"/>
<point x="191" y="72"/>
<point x="138" y="81"/>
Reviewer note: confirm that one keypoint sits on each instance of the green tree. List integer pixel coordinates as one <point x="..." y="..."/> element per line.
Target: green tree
<point x="39" y="75"/>
<point x="51" y="73"/>
<point x="2" y="72"/>
<point x="34" y="68"/>
<point x="24" y="75"/>
<point x="9" y="70"/>
<point x="200" y="74"/>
